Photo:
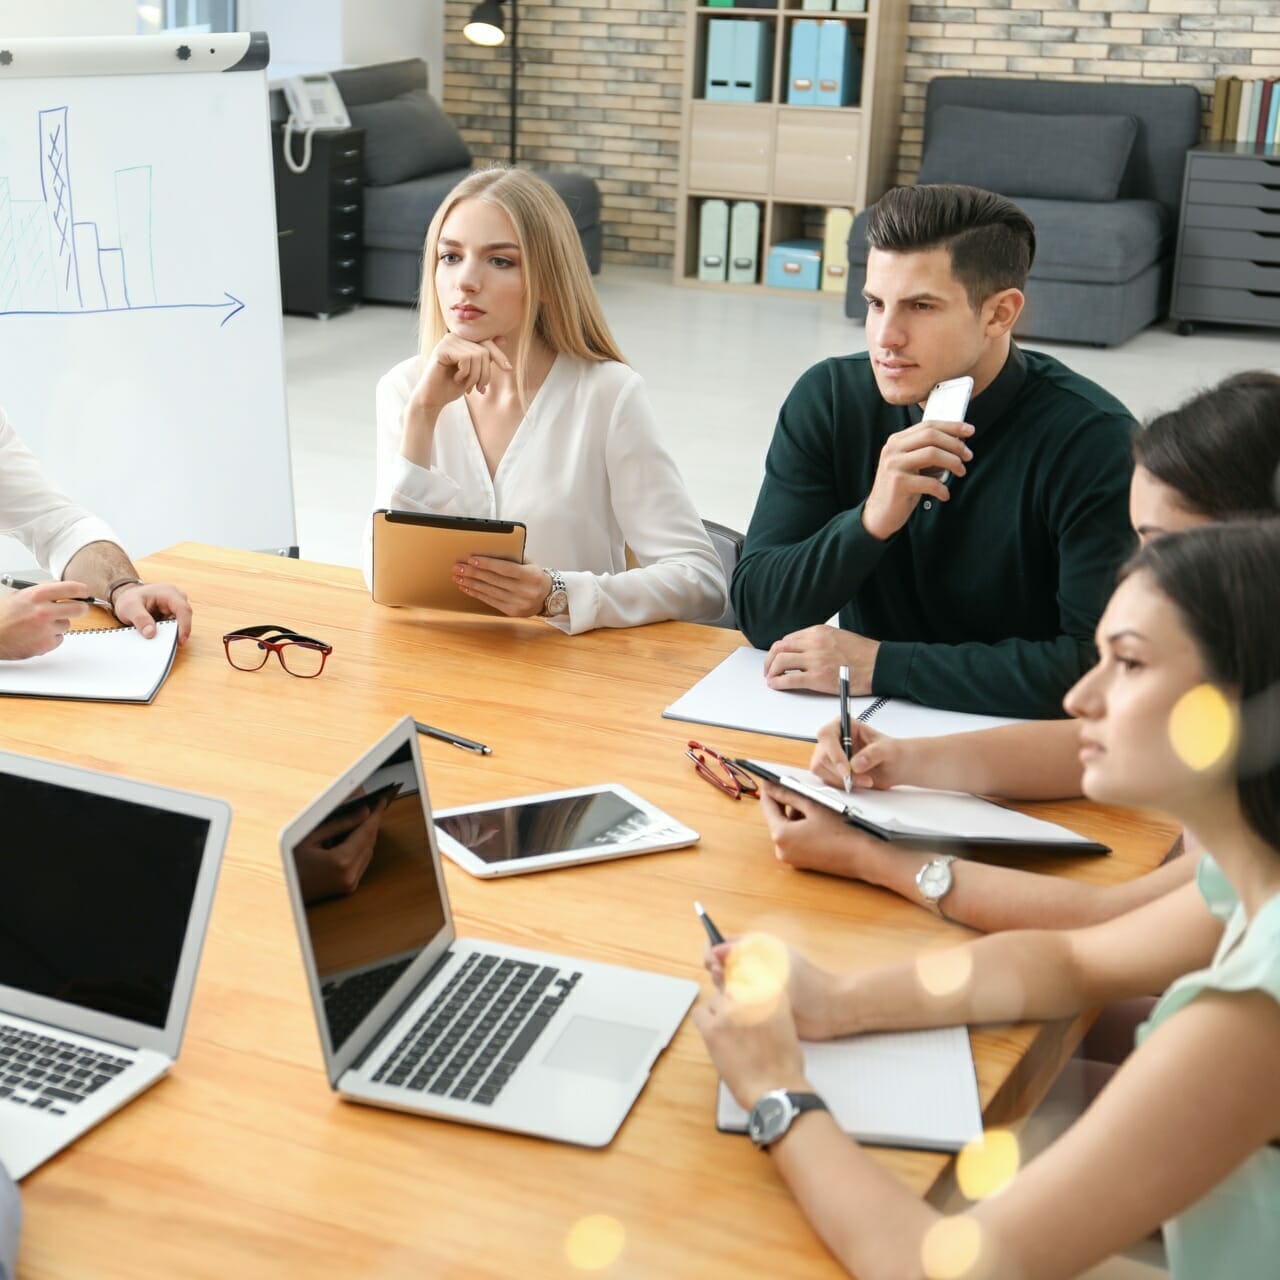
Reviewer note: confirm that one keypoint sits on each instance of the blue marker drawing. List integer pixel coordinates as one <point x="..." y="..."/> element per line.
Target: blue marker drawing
<point x="53" y="263"/>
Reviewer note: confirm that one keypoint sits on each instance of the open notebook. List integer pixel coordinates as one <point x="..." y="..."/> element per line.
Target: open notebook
<point x="894" y="1089"/>
<point x="109" y="665"/>
<point x="916" y="813"/>
<point x="734" y="696"/>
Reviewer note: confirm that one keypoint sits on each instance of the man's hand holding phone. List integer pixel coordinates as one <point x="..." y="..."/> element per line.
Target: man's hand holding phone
<point x="920" y="461"/>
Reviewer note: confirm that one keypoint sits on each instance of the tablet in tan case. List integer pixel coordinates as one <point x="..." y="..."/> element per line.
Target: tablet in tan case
<point x="414" y="555"/>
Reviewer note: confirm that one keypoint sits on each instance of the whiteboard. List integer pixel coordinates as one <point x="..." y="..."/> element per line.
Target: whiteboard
<point x="141" y="352"/>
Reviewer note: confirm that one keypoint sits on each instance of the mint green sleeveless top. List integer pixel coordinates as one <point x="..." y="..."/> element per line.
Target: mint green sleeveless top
<point x="1234" y="1231"/>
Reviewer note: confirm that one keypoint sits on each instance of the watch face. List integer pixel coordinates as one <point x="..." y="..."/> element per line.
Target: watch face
<point x="557" y="602"/>
<point x="769" y="1119"/>
<point x="935" y="879"/>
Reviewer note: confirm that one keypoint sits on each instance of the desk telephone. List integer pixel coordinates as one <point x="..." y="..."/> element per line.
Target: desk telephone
<point x="314" y="103"/>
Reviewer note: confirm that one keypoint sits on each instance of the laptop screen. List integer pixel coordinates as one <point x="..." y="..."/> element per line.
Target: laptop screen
<point x="97" y="897"/>
<point x="368" y="881"/>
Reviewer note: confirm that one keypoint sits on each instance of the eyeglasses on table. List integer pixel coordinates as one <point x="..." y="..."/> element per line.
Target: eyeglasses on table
<point x="248" y="649"/>
<point x="722" y="772"/>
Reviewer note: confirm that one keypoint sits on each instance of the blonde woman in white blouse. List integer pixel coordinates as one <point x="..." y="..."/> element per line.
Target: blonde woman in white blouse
<point x="520" y="407"/>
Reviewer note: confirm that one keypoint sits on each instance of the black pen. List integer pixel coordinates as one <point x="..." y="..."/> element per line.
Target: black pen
<point x="455" y="739"/>
<point x="712" y="932"/>
<point x="846" y="730"/>
<point x="21" y="584"/>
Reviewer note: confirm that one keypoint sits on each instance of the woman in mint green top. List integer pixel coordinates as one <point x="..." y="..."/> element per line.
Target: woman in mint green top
<point x="1182" y="715"/>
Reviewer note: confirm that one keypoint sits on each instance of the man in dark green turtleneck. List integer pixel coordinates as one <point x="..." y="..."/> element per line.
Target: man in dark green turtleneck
<point x="969" y="563"/>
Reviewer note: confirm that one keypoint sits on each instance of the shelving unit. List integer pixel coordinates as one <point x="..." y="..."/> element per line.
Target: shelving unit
<point x="795" y="161"/>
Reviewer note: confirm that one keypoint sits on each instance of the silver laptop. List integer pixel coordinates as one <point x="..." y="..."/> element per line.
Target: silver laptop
<point x="107" y="890"/>
<point x="414" y="1018"/>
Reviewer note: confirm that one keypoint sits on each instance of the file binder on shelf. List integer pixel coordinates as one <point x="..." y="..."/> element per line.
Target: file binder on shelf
<point x="835" y="250"/>
<point x="802" y="73"/>
<point x="739" y="60"/>
<point x="744" y="242"/>
<point x="713" y="240"/>
<point x="839" y="82"/>
<point x="720" y="60"/>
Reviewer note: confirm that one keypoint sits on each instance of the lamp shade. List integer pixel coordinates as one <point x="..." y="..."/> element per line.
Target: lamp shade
<point x="485" y="25"/>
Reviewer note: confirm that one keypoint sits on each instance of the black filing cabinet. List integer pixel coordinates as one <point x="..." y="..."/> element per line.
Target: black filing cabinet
<point x="320" y="220"/>
<point x="1228" y="263"/>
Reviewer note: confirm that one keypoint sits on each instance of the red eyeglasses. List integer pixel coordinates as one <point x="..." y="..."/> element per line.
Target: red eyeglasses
<point x="249" y="648"/>
<point x="722" y="772"/>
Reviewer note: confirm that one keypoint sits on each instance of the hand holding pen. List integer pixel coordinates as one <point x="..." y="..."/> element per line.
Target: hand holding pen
<point x="34" y="619"/>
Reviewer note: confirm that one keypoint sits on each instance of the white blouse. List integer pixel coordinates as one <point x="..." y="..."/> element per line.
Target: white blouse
<point x="587" y="475"/>
<point x="41" y="517"/>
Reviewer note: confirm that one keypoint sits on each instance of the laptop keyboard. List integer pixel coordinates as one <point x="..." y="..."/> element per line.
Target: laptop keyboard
<point x="48" y="1074"/>
<point x="470" y="1039"/>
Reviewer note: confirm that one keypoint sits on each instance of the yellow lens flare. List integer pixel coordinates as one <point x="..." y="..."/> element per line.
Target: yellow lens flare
<point x="756" y="972"/>
<point x="988" y="1165"/>
<point x="951" y="1248"/>
<point x="595" y="1242"/>
<point x="943" y="973"/>
<point x="1203" y="727"/>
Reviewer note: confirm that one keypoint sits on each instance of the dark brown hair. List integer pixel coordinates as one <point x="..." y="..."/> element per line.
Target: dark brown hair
<point x="1220" y="451"/>
<point x="991" y="241"/>
<point x="1224" y="580"/>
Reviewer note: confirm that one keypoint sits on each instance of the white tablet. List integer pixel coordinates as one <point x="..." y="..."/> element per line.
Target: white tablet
<point x="556" y="829"/>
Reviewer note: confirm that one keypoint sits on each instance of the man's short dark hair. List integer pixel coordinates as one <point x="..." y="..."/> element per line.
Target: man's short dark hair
<point x="991" y="241"/>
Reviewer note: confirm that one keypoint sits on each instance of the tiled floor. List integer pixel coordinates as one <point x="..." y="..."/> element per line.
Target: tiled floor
<point x="717" y="366"/>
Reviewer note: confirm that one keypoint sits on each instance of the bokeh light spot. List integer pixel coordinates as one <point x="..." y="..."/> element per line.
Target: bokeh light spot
<point x="988" y="1165"/>
<point x="594" y="1242"/>
<point x="757" y="970"/>
<point x="942" y="973"/>
<point x="951" y="1247"/>
<point x="1202" y="727"/>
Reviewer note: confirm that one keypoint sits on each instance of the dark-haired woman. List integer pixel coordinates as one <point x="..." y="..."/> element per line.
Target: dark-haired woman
<point x="1188" y="1131"/>
<point x="1216" y="457"/>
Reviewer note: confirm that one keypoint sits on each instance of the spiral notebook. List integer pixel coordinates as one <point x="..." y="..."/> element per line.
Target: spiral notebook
<point x="113" y="664"/>
<point x="734" y="695"/>
<point x="913" y="1089"/>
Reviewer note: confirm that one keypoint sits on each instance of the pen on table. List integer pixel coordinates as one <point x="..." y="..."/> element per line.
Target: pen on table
<point x="456" y="739"/>
<point x="21" y="584"/>
<point x="709" y="925"/>
<point x="846" y="731"/>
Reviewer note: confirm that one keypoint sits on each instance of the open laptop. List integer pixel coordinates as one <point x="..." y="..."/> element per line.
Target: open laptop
<point x="107" y="890"/>
<point x="414" y="1018"/>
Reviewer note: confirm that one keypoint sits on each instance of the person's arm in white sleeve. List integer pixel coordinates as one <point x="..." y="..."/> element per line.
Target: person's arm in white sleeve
<point x="679" y="574"/>
<point x="402" y="485"/>
<point x="41" y="517"/>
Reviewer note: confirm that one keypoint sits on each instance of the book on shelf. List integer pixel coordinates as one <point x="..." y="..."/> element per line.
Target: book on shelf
<point x="1245" y="111"/>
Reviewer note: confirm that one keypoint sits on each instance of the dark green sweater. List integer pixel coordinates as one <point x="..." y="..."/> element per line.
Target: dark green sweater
<point x="987" y="602"/>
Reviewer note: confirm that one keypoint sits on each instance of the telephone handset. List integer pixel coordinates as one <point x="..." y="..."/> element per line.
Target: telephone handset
<point x="314" y="103"/>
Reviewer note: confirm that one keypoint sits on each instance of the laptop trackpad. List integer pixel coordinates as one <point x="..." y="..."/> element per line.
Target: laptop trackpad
<point x="611" y="1050"/>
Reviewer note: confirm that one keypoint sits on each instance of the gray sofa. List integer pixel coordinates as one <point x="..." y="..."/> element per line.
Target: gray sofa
<point x="414" y="155"/>
<point x="1097" y="168"/>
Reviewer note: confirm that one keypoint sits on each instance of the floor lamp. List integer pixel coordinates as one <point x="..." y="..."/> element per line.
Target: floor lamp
<point x="486" y="27"/>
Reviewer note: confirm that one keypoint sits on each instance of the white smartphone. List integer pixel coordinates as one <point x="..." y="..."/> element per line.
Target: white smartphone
<point x="948" y="402"/>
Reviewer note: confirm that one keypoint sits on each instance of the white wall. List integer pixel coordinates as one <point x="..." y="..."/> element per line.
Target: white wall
<point x="319" y="35"/>
<point x="68" y="17"/>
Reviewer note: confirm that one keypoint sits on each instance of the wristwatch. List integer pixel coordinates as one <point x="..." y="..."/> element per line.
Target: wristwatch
<point x="776" y="1112"/>
<point x="935" y="880"/>
<point x="557" y="601"/>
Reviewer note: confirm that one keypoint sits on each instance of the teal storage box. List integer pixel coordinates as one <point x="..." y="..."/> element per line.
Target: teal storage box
<point x="795" y="264"/>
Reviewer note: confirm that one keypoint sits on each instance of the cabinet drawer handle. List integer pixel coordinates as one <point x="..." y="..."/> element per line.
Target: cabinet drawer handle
<point x="791" y="268"/>
<point x="802" y="84"/>
<point x="1264" y="293"/>
<point x="346" y="289"/>
<point x="344" y="263"/>
<point x="350" y="182"/>
<point x="347" y="235"/>
<point x="348" y="208"/>
<point x="350" y="153"/>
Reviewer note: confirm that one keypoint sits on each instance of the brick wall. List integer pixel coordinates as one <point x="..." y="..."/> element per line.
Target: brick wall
<point x="1149" y="41"/>
<point x="600" y="86"/>
<point x="600" y="80"/>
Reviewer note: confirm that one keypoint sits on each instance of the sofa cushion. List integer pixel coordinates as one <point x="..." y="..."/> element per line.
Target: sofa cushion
<point x="1104" y="243"/>
<point x="396" y="217"/>
<point x="408" y="136"/>
<point x="1026" y="153"/>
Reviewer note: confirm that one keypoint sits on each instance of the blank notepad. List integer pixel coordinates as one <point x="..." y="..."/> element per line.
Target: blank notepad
<point x="109" y="665"/>
<point x="892" y="1089"/>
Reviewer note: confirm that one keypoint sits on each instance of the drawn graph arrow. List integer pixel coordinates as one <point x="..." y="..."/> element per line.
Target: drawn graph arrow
<point x="232" y="306"/>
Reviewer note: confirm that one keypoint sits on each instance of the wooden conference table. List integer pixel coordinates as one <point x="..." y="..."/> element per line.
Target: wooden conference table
<point x="243" y="1163"/>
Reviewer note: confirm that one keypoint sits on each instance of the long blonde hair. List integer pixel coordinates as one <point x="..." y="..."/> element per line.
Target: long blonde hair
<point x="560" y="304"/>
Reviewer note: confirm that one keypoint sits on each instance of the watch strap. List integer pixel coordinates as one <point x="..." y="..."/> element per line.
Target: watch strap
<point x="118" y="585"/>
<point x="799" y="1103"/>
